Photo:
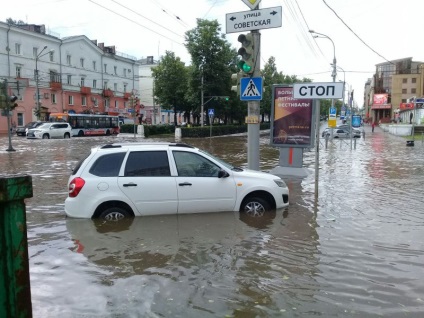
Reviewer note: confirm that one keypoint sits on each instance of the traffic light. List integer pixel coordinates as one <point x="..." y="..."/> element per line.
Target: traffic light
<point x="247" y="63"/>
<point x="13" y="103"/>
<point x="237" y="77"/>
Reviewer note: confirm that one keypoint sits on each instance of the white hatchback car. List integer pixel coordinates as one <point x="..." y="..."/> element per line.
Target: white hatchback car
<point x="132" y="179"/>
<point x="50" y="130"/>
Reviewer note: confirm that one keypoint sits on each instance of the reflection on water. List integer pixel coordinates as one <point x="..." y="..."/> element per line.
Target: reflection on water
<point x="358" y="251"/>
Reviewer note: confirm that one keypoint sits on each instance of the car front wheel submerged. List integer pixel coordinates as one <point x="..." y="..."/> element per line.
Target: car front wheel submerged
<point x="255" y="206"/>
<point x="114" y="214"/>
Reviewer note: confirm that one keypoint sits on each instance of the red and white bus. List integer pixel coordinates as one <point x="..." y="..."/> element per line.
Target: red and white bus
<point x="88" y="124"/>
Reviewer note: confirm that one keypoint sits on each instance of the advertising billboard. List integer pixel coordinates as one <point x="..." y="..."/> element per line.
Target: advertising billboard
<point x="380" y="99"/>
<point x="291" y="119"/>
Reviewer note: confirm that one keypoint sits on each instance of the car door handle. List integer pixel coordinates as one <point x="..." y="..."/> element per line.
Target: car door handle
<point x="130" y="184"/>
<point x="184" y="184"/>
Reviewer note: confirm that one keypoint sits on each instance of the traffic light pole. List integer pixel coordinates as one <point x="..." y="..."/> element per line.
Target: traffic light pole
<point x="7" y="101"/>
<point x="253" y="109"/>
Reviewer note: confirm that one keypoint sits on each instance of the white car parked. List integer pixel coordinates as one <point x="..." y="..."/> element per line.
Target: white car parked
<point x="50" y="130"/>
<point x="132" y="179"/>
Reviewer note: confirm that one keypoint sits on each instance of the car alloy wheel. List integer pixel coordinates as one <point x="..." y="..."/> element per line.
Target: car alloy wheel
<point x="255" y="207"/>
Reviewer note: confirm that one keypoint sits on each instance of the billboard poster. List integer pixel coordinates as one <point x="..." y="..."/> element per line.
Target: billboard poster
<point x="291" y="119"/>
<point x="380" y="99"/>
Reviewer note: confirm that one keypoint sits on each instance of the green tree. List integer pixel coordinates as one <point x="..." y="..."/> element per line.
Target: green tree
<point x="170" y="79"/>
<point x="10" y="21"/>
<point x="214" y="59"/>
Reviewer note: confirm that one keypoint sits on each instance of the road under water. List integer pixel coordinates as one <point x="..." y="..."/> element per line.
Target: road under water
<point x="357" y="251"/>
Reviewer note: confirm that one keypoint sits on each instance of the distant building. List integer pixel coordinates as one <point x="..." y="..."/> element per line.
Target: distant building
<point x="75" y="74"/>
<point x="393" y="89"/>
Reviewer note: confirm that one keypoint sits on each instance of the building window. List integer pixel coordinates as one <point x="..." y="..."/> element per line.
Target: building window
<point x="125" y="88"/>
<point x="82" y="81"/>
<point x="115" y="87"/>
<point x="94" y="66"/>
<point x="105" y="68"/>
<point x="116" y="104"/>
<point x="18" y="71"/>
<point x="70" y="100"/>
<point x="54" y="77"/>
<point x="83" y="100"/>
<point x="17" y="48"/>
<point x="413" y="90"/>
<point x="403" y="90"/>
<point x="20" y="119"/>
<point x="69" y="80"/>
<point x="51" y="56"/>
<point x="82" y="62"/>
<point x="34" y="52"/>
<point x="105" y="85"/>
<point x="404" y="80"/>
<point x="115" y="69"/>
<point x="53" y="98"/>
<point x="94" y="83"/>
<point x="68" y="59"/>
<point x="414" y="80"/>
<point x="403" y="100"/>
<point x="107" y="103"/>
<point x="125" y="72"/>
<point x="94" y="100"/>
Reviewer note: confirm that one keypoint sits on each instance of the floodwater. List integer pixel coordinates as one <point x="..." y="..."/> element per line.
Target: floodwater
<point x="356" y="252"/>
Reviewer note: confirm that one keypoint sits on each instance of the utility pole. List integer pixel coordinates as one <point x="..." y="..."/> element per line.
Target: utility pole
<point x="253" y="109"/>
<point x="201" y="101"/>
<point x="8" y="100"/>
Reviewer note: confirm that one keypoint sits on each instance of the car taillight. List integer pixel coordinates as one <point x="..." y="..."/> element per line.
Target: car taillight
<point x="75" y="187"/>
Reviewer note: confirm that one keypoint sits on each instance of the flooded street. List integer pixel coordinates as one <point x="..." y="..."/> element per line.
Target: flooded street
<point x="357" y="252"/>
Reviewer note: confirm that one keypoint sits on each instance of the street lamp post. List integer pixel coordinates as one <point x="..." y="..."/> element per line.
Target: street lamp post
<point x="334" y="73"/>
<point x="37" y="93"/>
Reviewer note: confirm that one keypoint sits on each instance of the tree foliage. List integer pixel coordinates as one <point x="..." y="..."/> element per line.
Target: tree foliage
<point x="170" y="83"/>
<point x="10" y="21"/>
<point x="214" y="59"/>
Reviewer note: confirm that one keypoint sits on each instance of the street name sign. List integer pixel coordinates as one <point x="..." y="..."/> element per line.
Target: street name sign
<point x="253" y="20"/>
<point x="332" y="90"/>
<point x="252" y="4"/>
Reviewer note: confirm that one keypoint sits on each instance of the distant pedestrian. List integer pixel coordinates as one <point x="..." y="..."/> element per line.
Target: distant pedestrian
<point x="373" y="126"/>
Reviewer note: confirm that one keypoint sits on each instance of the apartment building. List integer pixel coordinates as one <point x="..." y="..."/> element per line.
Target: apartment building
<point x="391" y="93"/>
<point x="71" y="74"/>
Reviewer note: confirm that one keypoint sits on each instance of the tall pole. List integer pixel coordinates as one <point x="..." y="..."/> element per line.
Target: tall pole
<point x="334" y="73"/>
<point x="201" y="100"/>
<point x="316" y="103"/>
<point x="37" y="93"/>
<point x="253" y="108"/>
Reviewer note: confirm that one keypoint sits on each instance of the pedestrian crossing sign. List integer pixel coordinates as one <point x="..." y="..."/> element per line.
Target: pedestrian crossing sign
<point x="251" y="88"/>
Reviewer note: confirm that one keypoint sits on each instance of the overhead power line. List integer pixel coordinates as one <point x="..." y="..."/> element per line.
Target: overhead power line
<point x="122" y="16"/>
<point x="355" y="33"/>
<point x="133" y="11"/>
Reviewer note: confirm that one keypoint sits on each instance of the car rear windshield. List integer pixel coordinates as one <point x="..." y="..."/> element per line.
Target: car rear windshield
<point x="108" y="165"/>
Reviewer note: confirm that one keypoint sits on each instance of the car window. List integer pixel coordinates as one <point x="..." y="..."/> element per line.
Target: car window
<point x="108" y="165"/>
<point x="147" y="164"/>
<point x="193" y="165"/>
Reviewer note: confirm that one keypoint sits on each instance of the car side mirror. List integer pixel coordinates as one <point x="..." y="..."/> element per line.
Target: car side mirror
<point x="223" y="174"/>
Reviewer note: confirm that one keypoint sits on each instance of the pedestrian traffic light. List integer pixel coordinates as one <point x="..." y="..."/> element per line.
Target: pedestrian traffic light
<point x="13" y="103"/>
<point x="247" y="63"/>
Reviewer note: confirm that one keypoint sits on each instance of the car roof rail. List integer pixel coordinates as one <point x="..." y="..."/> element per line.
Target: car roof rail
<point x="120" y="145"/>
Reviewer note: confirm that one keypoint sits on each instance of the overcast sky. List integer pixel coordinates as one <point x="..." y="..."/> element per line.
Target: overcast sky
<point x="364" y="32"/>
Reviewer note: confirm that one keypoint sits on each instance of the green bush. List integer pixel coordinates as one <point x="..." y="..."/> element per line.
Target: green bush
<point x="193" y="132"/>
